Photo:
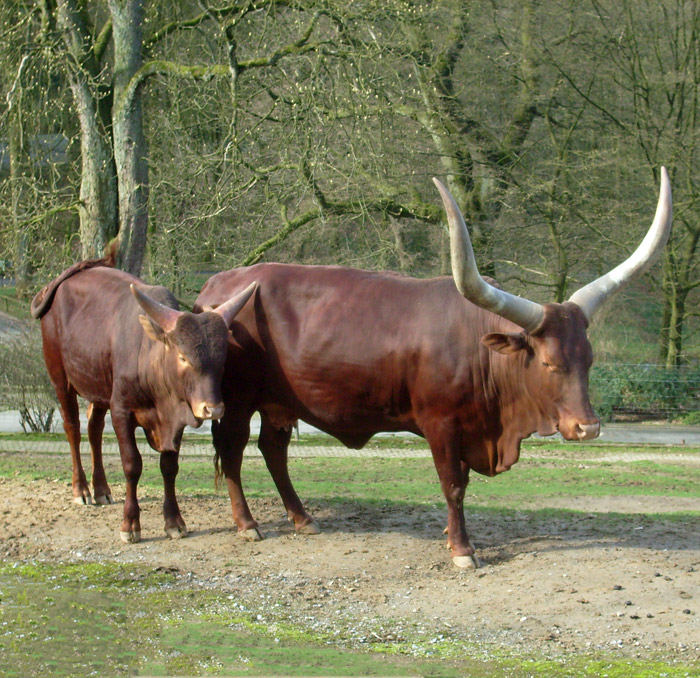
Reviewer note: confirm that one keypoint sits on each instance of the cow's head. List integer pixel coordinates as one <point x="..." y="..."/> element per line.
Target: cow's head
<point x="196" y="347"/>
<point x="552" y="345"/>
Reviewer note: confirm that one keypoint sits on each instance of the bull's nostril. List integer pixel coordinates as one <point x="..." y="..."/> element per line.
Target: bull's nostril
<point x="588" y="431"/>
<point x="215" y="411"/>
<point x="209" y="411"/>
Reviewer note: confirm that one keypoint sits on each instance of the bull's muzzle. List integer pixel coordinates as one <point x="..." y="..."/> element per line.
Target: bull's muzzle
<point x="209" y="411"/>
<point x="588" y="431"/>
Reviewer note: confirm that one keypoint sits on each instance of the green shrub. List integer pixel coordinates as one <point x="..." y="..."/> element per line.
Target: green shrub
<point x="645" y="390"/>
<point x="24" y="383"/>
<point x="691" y="418"/>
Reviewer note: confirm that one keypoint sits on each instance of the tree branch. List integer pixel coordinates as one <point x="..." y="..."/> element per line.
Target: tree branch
<point x="208" y="14"/>
<point x="163" y="67"/>
<point x="102" y="41"/>
<point x="427" y="213"/>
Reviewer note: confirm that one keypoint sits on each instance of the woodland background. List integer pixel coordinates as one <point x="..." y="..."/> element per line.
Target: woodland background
<point x="211" y="135"/>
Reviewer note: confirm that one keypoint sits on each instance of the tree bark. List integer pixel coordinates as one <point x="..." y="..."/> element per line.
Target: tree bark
<point x="679" y="282"/>
<point x="130" y="149"/>
<point x="98" y="184"/>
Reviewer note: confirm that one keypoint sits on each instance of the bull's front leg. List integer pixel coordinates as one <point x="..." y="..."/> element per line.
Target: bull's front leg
<point x="174" y="523"/>
<point x="124" y="425"/>
<point x="445" y="447"/>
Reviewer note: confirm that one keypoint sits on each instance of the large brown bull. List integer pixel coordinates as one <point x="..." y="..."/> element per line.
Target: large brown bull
<point x="470" y="367"/>
<point x="124" y="346"/>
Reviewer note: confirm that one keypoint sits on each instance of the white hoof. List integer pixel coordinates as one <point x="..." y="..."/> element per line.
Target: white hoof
<point x="466" y="562"/>
<point x="83" y="501"/>
<point x="310" y="528"/>
<point x="104" y="499"/>
<point x="251" y="534"/>
<point x="130" y="537"/>
<point x="176" y="532"/>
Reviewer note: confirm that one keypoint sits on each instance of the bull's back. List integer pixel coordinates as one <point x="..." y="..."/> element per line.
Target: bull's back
<point x="328" y="314"/>
<point x="91" y="323"/>
<point x="342" y="345"/>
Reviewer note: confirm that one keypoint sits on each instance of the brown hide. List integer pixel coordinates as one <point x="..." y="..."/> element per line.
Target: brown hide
<point x="93" y="328"/>
<point x="103" y="341"/>
<point x="356" y="352"/>
<point x="471" y="367"/>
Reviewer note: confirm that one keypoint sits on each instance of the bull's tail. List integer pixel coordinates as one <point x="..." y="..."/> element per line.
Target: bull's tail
<point x="43" y="299"/>
<point x="218" y="474"/>
<point x="111" y="252"/>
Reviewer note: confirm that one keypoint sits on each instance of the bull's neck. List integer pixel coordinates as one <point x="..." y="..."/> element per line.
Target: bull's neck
<point x="154" y="373"/>
<point x="515" y="413"/>
<point x="166" y="416"/>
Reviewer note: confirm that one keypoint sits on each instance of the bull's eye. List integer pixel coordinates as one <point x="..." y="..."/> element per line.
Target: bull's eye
<point x="554" y="369"/>
<point x="183" y="360"/>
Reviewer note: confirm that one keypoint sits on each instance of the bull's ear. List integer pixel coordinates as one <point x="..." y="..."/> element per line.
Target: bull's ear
<point x="504" y="343"/>
<point x="152" y="330"/>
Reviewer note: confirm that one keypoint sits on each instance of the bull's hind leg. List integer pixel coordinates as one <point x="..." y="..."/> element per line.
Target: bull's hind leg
<point x="96" y="425"/>
<point x="68" y="403"/>
<point x="230" y="436"/>
<point x="274" y="444"/>
<point x="124" y="426"/>
<point x="174" y="523"/>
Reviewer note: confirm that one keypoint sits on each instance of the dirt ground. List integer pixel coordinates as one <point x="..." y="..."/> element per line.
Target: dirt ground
<point x="584" y="582"/>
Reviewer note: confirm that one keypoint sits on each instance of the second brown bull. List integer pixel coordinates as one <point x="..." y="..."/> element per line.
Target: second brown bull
<point x="124" y="346"/>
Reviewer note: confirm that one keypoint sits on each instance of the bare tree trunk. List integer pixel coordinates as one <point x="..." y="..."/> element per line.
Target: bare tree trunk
<point x="130" y="151"/>
<point x="98" y="187"/>
<point x="674" y="355"/>
<point x="399" y="244"/>
<point x="668" y="295"/>
<point x="679" y="281"/>
<point x="461" y="142"/>
<point x="671" y="339"/>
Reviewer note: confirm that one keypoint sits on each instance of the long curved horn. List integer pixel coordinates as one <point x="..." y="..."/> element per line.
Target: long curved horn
<point x="523" y="312"/>
<point x="229" y="309"/>
<point x="164" y="316"/>
<point x="590" y="297"/>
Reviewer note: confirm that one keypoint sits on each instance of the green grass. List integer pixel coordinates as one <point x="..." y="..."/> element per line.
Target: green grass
<point x="106" y="619"/>
<point x="118" y="620"/>
<point x="11" y="305"/>
<point x="306" y="440"/>
<point x="65" y="619"/>
<point x="559" y="473"/>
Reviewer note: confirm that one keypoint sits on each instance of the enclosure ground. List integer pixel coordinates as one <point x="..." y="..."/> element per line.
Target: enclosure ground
<point x="618" y="575"/>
